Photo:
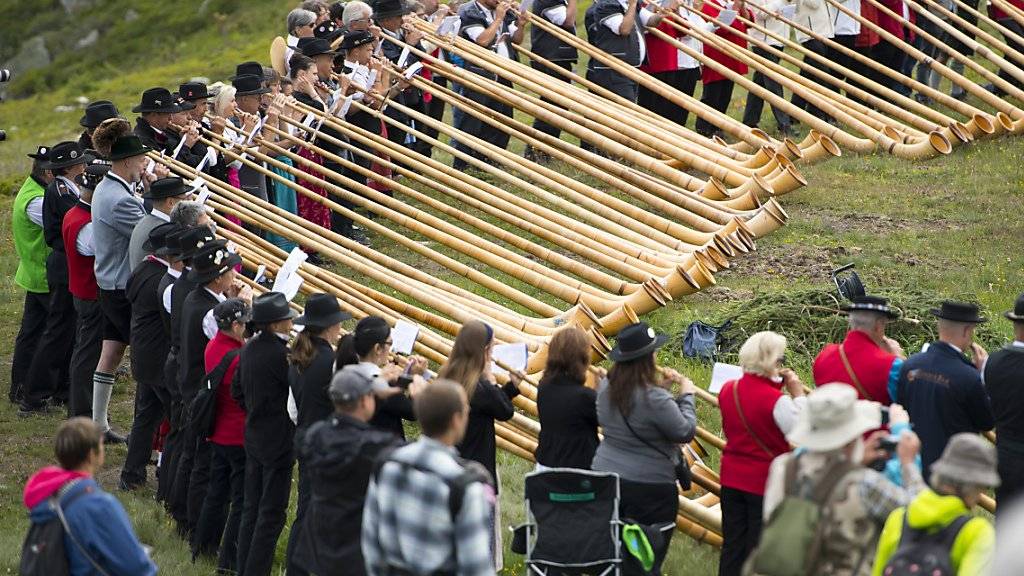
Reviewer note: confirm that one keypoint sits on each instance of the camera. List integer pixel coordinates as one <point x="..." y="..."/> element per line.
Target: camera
<point x="3" y="135"/>
<point x="5" y="74"/>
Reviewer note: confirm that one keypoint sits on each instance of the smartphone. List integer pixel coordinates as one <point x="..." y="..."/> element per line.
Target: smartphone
<point x="404" y="381"/>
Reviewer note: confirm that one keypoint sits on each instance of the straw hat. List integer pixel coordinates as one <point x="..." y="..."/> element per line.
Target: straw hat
<point x="833" y="418"/>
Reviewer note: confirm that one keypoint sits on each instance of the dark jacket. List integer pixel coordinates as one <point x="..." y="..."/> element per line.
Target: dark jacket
<point x="191" y="361"/>
<point x="625" y="48"/>
<point x="149" y="341"/>
<point x="545" y="44"/>
<point x="325" y="129"/>
<point x="310" y="386"/>
<point x="167" y="141"/>
<point x="180" y="289"/>
<point x="391" y="412"/>
<point x="1004" y="380"/>
<point x="943" y="393"/>
<point x="339" y="455"/>
<point x="471" y="14"/>
<point x="568" y="424"/>
<point x="57" y="200"/>
<point x="260" y="387"/>
<point x="489" y="403"/>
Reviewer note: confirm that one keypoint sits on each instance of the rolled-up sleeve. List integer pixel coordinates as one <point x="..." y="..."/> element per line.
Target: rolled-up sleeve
<point x="786" y="411"/>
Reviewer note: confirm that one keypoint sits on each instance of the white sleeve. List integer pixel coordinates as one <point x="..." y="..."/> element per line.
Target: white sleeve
<point x="167" y="298"/>
<point x="613" y="22"/>
<point x="474" y="32"/>
<point x="645" y="16"/>
<point x="786" y="411"/>
<point x="83" y="243"/>
<point x="209" y="325"/>
<point x="34" y="211"/>
<point x="555" y="15"/>
<point x="293" y="408"/>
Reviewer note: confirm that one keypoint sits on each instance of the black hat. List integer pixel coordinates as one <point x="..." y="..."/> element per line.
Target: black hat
<point x="157" y="239"/>
<point x="94" y="173"/>
<point x="231" y="310"/>
<point x="1017" y="314"/>
<point x="249" y="85"/>
<point x="182" y="104"/>
<point x="271" y="307"/>
<point x="249" y="68"/>
<point x="635" y="341"/>
<point x="192" y="239"/>
<point x="212" y="260"/>
<point x="316" y="47"/>
<point x="157" y="100"/>
<point x="336" y="10"/>
<point x="166" y="188"/>
<point x="959" y="312"/>
<point x="871" y="304"/>
<point x="328" y="31"/>
<point x="127" y="146"/>
<point x="41" y="154"/>
<point x="192" y="91"/>
<point x="355" y="39"/>
<point x="172" y="244"/>
<point x="98" y="111"/>
<point x="389" y="8"/>
<point x="67" y="154"/>
<point x="322" y="310"/>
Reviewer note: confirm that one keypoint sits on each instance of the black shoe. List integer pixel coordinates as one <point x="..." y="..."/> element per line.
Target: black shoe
<point x="26" y="410"/>
<point x="111" y="437"/>
<point x="922" y="98"/>
<point x="360" y="237"/>
<point x="315" y="259"/>
<point x="785" y="132"/>
<point x="126" y="486"/>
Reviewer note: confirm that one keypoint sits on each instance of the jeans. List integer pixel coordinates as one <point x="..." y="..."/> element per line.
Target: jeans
<point x="49" y="373"/>
<point x="86" y="354"/>
<point x="267" y="489"/>
<point x="741" y="529"/>
<point x="755" y="104"/>
<point x="221" y="515"/>
<point x="33" y="322"/>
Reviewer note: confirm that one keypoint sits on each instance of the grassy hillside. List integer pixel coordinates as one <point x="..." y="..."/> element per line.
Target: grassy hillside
<point x="918" y="231"/>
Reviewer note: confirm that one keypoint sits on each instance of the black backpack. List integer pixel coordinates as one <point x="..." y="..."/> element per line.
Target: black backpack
<point x="922" y="553"/>
<point x="43" y="552"/>
<point x="203" y="410"/>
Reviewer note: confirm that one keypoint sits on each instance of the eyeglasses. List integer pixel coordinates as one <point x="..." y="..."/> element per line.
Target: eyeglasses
<point x="389" y="342"/>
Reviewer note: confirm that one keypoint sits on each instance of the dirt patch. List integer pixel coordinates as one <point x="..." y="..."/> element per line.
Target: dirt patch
<point x="790" y="261"/>
<point x="882" y="224"/>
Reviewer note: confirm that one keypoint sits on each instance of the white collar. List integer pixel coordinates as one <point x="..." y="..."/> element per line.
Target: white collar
<point x="390" y="33"/>
<point x="285" y="337"/>
<point x="292" y="41"/>
<point x="354" y="65"/>
<point x="71" y="184"/>
<point x="159" y="214"/>
<point x="219" y="297"/>
<point x="174" y="273"/>
<point x="959" y="351"/>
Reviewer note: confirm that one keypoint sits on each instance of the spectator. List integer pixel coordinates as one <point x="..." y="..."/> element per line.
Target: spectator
<point x="566" y="406"/>
<point x="756" y="416"/>
<point x="643" y="427"/>
<point x="830" y="466"/>
<point x="339" y="453"/>
<point x="222" y="508"/>
<point x="959" y="478"/>
<point x="867" y="359"/>
<point x="95" y="519"/>
<point x="1004" y="381"/>
<point x="261" y="389"/>
<point x="941" y="388"/>
<point x="410" y="525"/>
<point x="312" y="365"/>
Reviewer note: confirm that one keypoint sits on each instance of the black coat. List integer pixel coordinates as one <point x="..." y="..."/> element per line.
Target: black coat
<point x="568" y="424"/>
<point x="191" y="354"/>
<point x="58" y="198"/>
<point x="391" y="412"/>
<point x="310" y="386"/>
<point x="149" y="341"/>
<point x="180" y="289"/>
<point x="489" y="403"/>
<point x="339" y="455"/>
<point x="260" y="387"/>
<point x="166" y="141"/>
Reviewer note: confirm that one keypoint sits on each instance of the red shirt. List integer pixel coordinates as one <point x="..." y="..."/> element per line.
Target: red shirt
<point x="229" y="427"/>
<point x="744" y="462"/>
<point x="709" y="75"/>
<point x="870" y="364"/>
<point x="996" y="14"/>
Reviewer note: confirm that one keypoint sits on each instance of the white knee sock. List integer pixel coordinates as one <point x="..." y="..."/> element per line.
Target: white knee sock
<point x="102" y="387"/>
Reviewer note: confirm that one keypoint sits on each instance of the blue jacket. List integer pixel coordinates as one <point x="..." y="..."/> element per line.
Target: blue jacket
<point x="944" y="395"/>
<point x="101" y="526"/>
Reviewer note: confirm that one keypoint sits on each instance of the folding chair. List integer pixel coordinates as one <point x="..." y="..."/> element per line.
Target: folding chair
<point x="572" y="523"/>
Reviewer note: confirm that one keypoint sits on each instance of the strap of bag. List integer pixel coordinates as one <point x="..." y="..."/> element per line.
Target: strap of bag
<point x="216" y="375"/>
<point x="67" y="528"/>
<point x="822" y="492"/>
<point x="646" y="443"/>
<point x="743" y="418"/>
<point x="853" y="376"/>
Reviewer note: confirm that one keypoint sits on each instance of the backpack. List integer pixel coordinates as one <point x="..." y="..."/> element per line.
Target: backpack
<point x="203" y="411"/>
<point x="792" y="539"/>
<point x="43" y="552"/>
<point x="922" y="553"/>
<point x="701" y="339"/>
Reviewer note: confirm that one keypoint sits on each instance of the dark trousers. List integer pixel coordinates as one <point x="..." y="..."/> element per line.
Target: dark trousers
<point x="716" y="95"/>
<point x="683" y="80"/>
<point x="184" y="459"/>
<point x="49" y="373"/>
<point x="198" y="481"/>
<point x="654" y="505"/>
<point x="1015" y="27"/>
<point x="891" y="57"/>
<point x="818" y="47"/>
<point x="472" y="125"/>
<point x="221" y="515"/>
<point x="341" y="224"/>
<point x="741" y="529"/>
<point x="435" y="109"/>
<point x="755" y="104"/>
<point x="837" y="56"/>
<point x="267" y="489"/>
<point x="151" y="404"/>
<point x="169" y="458"/>
<point x="565" y="65"/>
<point x="88" y="345"/>
<point x="33" y="322"/>
<point x="300" y="514"/>
<point x="1011" y="476"/>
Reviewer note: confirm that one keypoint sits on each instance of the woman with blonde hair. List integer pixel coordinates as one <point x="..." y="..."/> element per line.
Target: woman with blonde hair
<point x="566" y="406"/>
<point x="756" y="416"/>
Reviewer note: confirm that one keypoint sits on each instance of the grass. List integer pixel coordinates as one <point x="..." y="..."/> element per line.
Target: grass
<point x="945" y="227"/>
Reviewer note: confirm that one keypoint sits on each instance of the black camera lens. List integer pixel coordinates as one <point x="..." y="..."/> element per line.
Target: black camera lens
<point x="3" y="135"/>
<point x="5" y="75"/>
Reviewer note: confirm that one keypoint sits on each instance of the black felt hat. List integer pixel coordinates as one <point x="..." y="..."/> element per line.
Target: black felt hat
<point x="98" y="111"/>
<point x="212" y="260"/>
<point x="871" y="304"/>
<point x="249" y="68"/>
<point x="193" y="239"/>
<point x="327" y="31"/>
<point x="322" y="311"/>
<point x="959" y="312"/>
<point x="1017" y="314"/>
<point x="635" y="341"/>
<point x="157" y="239"/>
<point x="172" y="242"/>
<point x="316" y="47"/>
<point x="271" y="307"/>
<point x="355" y="39"/>
<point x="127" y="146"/>
<point x="166" y="188"/>
<point x="67" y="154"/>
<point x="249" y="85"/>
<point x="41" y="154"/>
<point x="157" y="100"/>
<point x="390" y="8"/>
<point x="192" y="91"/>
<point x="182" y="104"/>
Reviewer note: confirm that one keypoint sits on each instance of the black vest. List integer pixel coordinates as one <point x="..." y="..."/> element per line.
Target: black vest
<point x="471" y="14"/>
<point x="1004" y="379"/>
<point x="191" y="361"/>
<point x="180" y="289"/>
<point x="148" y="339"/>
<point x="625" y="48"/>
<point x="57" y="200"/>
<point x="547" y="45"/>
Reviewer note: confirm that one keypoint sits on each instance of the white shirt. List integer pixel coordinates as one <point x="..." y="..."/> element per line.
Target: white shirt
<point x="766" y="19"/>
<point x="615" y="20"/>
<point x="209" y="322"/>
<point x="129" y="185"/>
<point x="167" y="291"/>
<point x="160" y="215"/>
<point x="292" y="42"/>
<point x="34" y="211"/>
<point x="844" y="24"/>
<point x="83" y="242"/>
<point x="556" y="15"/>
<point x="683" y="60"/>
<point x="499" y="46"/>
<point x="786" y="411"/>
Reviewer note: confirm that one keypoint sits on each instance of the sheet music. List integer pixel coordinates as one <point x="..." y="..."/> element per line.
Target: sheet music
<point x="403" y="337"/>
<point x="450" y="25"/>
<point x="514" y="356"/>
<point x="721" y="374"/>
<point x="403" y="57"/>
<point x="412" y="70"/>
<point x="788" y="11"/>
<point x="287" y="280"/>
<point x="726" y="17"/>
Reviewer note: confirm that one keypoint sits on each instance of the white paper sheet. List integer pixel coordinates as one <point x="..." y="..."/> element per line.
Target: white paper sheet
<point x="512" y="355"/>
<point x="260" y="273"/>
<point x="204" y="195"/>
<point x="403" y="337"/>
<point x="721" y="374"/>
<point x="726" y="17"/>
<point x="412" y="70"/>
<point x="450" y="25"/>
<point x="291" y="286"/>
<point x="287" y="280"/>
<point x="788" y="11"/>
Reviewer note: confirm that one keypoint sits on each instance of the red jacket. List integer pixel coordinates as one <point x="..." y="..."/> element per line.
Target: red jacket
<point x="896" y="26"/>
<point x="744" y="462"/>
<point x="708" y="75"/>
<point x="661" y="55"/>
<point x="996" y="14"/>
<point x="871" y="364"/>
<point x="229" y="428"/>
<point x="81" y="274"/>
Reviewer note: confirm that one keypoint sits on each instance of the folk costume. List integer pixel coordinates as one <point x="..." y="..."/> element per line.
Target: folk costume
<point x="1004" y="382"/>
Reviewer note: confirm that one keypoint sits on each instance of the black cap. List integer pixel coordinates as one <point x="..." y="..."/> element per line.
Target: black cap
<point x="192" y="91"/>
<point x="98" y="111"/>
<point x="157" y="239"/>
<point x="271" y="307"/>
<point x="230" y="311"/>
<point x="67" y="154"/>
<point x="166" y="188"/>
<point x="157" y="100"/>
<point x="212" y="260"/>
<point x="249" y="85"/>
<point x="355" y="39"/>
<point x="959" y="312"/>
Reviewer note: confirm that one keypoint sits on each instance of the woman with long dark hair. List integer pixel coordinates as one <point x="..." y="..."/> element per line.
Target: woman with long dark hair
<point x="566" y="406"/>
<point x="643" y="427"/>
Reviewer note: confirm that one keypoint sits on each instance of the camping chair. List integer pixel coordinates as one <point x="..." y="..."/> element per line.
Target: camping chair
<point x="572" y="523"/>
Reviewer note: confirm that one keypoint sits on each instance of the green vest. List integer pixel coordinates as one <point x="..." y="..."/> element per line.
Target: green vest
<point x="28" y="241"/>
